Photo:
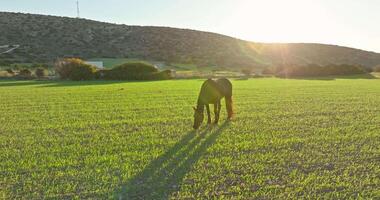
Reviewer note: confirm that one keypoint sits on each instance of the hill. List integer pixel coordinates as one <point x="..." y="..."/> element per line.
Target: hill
<point x="44" y="38"/>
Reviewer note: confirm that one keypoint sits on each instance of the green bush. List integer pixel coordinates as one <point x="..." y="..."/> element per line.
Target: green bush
<point x="247" y="71"/>
<point x="269" y="71"/>
<point x="82" y="72"/>
<point x="102" y="74"/>
<point x="376" y="69"/>
<point x="25" y="74"/>
<point x="41" y="72"/>
<point x="137" y="68"/>
<point x="163" y="75"/>
<point x="75" y="69"/>
<point x="312" y="70"/>
<point x="132" y="71"/>
<point x="38" y="65"/>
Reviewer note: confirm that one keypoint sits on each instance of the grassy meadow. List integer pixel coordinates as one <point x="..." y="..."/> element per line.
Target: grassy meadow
<point x="290" y="139"/>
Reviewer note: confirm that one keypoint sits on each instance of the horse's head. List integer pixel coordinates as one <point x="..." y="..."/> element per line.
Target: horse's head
<point x="198" y="118"/>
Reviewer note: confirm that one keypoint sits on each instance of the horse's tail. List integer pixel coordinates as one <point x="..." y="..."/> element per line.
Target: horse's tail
<point x="226" y="87"/>
<point x="230" y="107"/>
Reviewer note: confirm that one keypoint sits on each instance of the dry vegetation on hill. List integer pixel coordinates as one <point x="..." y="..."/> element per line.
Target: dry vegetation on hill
<point x="44" y="38"/>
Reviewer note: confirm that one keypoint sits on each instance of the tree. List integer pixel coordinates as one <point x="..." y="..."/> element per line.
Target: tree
<point x="376" y="68"/>
<point x="41" y="72"/>
<point x="247" y="71"/>
<point x="133" y="71"/>
<point x="74" y="69"/>
<point x="25" y="74"/>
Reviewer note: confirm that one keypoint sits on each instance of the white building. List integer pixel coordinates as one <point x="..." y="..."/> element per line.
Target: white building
<point x="97" y="64"/>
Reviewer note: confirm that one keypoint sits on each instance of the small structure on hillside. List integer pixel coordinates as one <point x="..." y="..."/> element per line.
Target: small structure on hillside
<point x="8" y="48"/>
<point x="97" y="64"/>
<point x="173" y="73"/>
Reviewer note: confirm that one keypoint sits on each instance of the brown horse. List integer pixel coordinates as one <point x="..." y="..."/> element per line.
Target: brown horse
<point x="212" y="92"/>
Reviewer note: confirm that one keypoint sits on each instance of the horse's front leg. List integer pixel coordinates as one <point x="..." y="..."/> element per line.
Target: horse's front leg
<point x="217" y="107"/>
<point x="208" y="114"/>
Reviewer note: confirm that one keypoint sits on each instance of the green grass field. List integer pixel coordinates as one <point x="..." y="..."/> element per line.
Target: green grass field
<point x="290" y="139"/>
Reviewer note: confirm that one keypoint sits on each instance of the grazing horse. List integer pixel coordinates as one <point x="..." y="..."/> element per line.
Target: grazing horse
<point x="212" y="92"/>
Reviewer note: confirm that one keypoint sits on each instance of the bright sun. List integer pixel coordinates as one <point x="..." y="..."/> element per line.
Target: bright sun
<point x="278" y="21"/>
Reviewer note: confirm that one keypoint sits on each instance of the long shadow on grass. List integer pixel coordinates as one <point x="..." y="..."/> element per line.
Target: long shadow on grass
<point x="164" y="175"/>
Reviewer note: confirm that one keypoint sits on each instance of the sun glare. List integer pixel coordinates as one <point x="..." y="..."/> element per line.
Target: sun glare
<point x="277" y="21"/>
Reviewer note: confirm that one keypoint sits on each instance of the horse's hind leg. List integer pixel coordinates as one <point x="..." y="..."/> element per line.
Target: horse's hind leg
<point x="208" y="114"/>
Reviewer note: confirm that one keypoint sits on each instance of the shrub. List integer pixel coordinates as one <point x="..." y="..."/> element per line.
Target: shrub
<point x="247" y="71"/>
<point x="19" y="67"/>
<point x="316" y="70"/>
<point x="103" y="74"/>
<point x="376" y="69"/>
<point x="41" y="72"/>
<point x="64" y="67"/>
<point x="25" y="74"/>
<point x="75" y="69"/>
<point x="10" y="71"/>
<point x="38" y="65"/>
<point x="132" y="71"/>
<point x="82" y="72"/>
<point x="268" y="71"/>
<point x="164" y="75"/>
<point x="16" y="67"/>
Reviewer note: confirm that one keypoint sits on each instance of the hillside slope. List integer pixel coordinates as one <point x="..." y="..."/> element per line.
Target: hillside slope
<point x="44" y="38"/>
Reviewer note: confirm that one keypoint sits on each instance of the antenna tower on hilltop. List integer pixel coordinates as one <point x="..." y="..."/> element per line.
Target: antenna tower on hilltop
<point x="78" y="13"/>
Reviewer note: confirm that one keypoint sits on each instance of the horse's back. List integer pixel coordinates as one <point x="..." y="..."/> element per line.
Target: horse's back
<point x="225" y="86"/>
<point x="210" y="92"/>
<point x="214" y="90"/>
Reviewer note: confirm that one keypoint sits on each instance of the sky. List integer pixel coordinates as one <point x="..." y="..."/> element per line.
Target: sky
<point x="352" y="23"/>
